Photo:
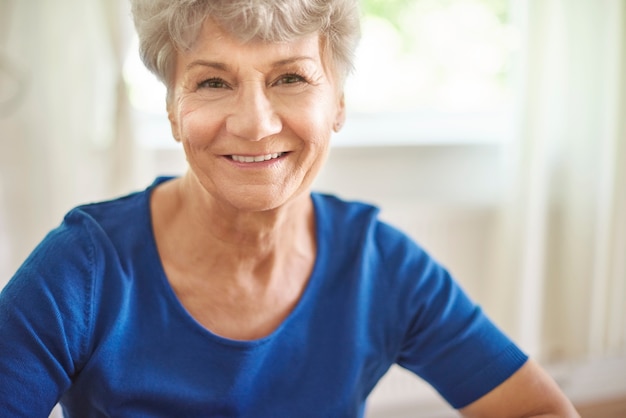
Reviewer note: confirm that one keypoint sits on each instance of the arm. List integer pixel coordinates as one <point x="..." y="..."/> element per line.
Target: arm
<point x="44" y="316"/>
<point x="451" y="344"/>
<point x="530" y="392"/>
<point x="33" y="359"/>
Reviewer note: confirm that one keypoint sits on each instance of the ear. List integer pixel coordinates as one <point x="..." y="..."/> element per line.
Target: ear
<point x="340" y="118"/>
<point x="171" y="115"/>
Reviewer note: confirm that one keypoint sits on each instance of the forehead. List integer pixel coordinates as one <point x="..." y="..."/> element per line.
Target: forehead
<point x="215" y="43"/>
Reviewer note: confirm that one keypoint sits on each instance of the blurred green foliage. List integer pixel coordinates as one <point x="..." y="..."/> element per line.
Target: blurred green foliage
<point x="393" y="10"/>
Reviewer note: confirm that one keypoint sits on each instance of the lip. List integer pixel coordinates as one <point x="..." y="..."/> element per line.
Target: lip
<point x="256" y="160"/>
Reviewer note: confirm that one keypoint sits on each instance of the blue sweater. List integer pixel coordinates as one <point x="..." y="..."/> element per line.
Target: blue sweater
<point x="90" y="320"/>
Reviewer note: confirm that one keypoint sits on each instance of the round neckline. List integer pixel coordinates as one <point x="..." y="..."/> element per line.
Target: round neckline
<point x="189" y="320"/>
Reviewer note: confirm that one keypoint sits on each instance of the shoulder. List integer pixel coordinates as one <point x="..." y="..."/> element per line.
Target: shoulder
<point x="120" y="222"/>
<point x="74" y="250"/>
<point x="358" y="244"/>
<point x="361" y="241"/>
<point x="361" y="221"/>
<point x="117" y="213"/>
<point x="332" y="211"/>
<point x="66" y="271"/>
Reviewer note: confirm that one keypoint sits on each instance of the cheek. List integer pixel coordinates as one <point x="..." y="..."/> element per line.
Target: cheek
<point x="315" y="119"/>
<point x="314" y="128"/>
<point x="198" y="128"/>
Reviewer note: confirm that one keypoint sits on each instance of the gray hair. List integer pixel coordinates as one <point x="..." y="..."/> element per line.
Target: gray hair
<point x="167" y="26"/>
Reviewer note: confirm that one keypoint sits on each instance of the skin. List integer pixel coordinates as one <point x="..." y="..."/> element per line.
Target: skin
<point x="252" y="100"/>
<point x="530" y="392"/>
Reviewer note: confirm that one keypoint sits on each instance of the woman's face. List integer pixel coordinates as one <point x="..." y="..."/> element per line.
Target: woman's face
<point x="254" y="119"/>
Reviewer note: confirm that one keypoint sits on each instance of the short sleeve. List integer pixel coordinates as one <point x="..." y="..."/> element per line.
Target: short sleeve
<point x="44" y="321"/>
<point x="448" y="340"/>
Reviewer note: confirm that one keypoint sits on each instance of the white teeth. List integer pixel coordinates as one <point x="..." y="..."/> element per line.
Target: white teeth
<point x="256" y="159"/>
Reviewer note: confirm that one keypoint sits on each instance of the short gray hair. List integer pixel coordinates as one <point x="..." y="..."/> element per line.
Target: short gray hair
<point x="165" y="26"/>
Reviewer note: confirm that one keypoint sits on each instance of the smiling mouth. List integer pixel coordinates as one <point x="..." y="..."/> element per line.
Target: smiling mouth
<point x="256" y="158"/>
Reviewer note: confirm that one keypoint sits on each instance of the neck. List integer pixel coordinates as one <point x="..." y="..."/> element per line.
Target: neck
<point x="243" y="244"/>
<point x="246" y="229"/>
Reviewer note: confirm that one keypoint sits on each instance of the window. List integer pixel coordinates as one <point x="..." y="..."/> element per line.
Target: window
<point x="432" y="71"/>
<point x="427" y="71"/>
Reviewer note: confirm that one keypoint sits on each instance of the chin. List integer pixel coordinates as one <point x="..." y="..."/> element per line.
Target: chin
<point x="262" y="201"/>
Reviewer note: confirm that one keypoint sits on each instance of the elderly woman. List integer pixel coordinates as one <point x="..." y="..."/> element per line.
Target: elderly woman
<point x="233" y="291"/>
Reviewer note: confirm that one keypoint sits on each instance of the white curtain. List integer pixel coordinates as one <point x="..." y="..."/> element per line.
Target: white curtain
<point x="559" y="280"/>
<point x="64" y="132"/>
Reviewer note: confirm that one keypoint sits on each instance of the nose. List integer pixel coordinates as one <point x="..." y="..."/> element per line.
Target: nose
<point x="254" y="116"/>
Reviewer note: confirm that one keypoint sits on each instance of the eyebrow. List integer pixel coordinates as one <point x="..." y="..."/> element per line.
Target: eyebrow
<point x="204" y="63"/>
<point x="293" y="60"/>
<point x="225" y="67"/>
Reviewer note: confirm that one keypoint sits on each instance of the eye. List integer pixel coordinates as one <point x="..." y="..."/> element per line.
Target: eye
<point x="291" y="78"/>
<point x="213" y="83"/>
